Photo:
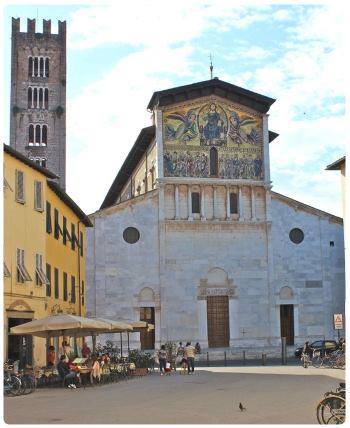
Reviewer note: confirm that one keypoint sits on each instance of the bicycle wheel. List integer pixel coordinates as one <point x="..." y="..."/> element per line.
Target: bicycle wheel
<point x="13" y="386"/>
<point x="317" y="361"/>
<point x="331" y="410"/>
<point x="29" y="385"/>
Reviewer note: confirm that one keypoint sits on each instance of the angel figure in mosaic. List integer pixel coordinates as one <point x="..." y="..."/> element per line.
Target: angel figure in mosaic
<point x="186" y="130"/>
<point x="237" y="133"/>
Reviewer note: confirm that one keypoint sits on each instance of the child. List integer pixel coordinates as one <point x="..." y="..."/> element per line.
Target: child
<point x="167" y="368"/>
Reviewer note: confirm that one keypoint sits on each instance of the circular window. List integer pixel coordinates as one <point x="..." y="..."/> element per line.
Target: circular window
<point x="296" y="236"/>
<point x="131" y="235"/>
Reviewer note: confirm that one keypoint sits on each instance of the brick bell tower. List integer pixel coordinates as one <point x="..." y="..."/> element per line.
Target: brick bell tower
<point x="38" y="95"/>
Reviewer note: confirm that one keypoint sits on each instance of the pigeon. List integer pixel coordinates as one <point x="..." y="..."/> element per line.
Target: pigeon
<point x="241" y="408"/>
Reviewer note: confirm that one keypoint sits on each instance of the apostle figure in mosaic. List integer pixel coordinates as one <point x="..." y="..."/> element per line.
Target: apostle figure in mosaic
<point x="236" y="131"/>
<point x="186" y="130"/>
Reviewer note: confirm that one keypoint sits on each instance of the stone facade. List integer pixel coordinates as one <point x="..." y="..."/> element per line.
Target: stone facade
<point x="38" y="95"/>
<point x="186" y="256"/>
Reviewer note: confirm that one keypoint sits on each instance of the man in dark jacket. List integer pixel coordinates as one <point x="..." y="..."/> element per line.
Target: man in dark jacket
<point x="65" y="373"/>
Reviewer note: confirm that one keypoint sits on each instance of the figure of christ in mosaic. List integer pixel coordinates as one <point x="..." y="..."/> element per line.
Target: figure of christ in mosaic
<point x="191" y="130"/>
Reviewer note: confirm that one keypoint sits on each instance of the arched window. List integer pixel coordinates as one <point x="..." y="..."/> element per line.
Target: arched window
<point x="213" y="162"/>
<point x="36" y="66"/>
<point x="44" y="135"/>
<point x="35" y="97"/>
<point x="37" y="135"/>
<point x="30" y="66"/>
<point x="47" y="67"/>
<point x="41" y="98"/>
<point x="41" y="62"/>
<point x="30" y="97"/>
<point x="31" y="135"/>
<point x="46" y="99"/>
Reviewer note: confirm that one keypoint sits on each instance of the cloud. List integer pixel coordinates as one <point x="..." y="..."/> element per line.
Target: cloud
<point x="305" y="73"/>
<point x="145" y="24"/>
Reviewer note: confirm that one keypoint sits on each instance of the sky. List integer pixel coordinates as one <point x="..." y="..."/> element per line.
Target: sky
<point x="120" y="53"/>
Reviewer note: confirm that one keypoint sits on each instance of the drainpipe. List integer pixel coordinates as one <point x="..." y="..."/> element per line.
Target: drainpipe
<point x="79" y="285"/>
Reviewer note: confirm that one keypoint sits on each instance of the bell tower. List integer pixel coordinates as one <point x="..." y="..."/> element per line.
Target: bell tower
<point x="38" y="95"/>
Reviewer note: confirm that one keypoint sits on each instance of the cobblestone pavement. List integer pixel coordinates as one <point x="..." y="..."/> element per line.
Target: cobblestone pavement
<point x="212" y="395"/>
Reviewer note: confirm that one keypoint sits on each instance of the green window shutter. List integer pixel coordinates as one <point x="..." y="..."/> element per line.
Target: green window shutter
<point x="48" y="218"/>
<point x="20" y="186"/>
<point x="48" y="284"/>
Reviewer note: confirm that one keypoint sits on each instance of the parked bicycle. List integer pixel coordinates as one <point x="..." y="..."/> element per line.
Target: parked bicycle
<point x="331" y="409"/>
<point x="334" y="359"/>
<point x="18" y="382"/>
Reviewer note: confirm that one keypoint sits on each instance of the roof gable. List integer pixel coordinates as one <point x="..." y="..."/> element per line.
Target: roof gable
<point x="142" y="143"/>
<point x="214" y="86"/>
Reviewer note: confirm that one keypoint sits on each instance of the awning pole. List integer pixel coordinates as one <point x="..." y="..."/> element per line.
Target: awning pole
<point x="128" y="347"/>
<point x="121" y="345"/>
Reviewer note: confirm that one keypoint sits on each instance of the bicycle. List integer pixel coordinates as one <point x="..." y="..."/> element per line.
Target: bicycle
<point x="12" y="384"/>
<point x="331" y="409"/>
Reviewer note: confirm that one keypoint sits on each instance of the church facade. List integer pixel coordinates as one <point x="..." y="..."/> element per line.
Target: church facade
<point x="191" y="237"/>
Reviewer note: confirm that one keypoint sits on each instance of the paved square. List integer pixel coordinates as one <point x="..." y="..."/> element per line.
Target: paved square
<point x="210" y="396"/>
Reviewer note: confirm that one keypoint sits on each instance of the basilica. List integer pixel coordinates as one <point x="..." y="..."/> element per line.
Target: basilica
<point x="192" y="238"/>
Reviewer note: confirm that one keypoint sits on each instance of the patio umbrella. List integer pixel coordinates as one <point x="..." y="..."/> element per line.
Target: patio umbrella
<point x="117" y="327"/>
<point x="61" y="324"/>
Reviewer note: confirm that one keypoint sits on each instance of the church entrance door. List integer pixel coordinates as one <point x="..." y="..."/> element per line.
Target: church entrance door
<point x="218" y="321"/>
<point x="147" y="337"/>
<point x="287" y="323"/>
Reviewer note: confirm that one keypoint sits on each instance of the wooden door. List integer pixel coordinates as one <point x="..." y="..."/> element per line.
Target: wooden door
<point x="147" y="337"/>
<point x="287" y="323"/>
<point x="218" y="321"/>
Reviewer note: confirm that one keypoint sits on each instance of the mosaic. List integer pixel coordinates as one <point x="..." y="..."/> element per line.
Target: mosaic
<point x="191" y="131"/>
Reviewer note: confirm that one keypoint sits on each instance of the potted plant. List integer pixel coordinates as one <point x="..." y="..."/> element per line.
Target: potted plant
<point x="142" y="361"/>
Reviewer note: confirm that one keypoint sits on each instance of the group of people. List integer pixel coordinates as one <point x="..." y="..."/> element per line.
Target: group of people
<point x="68" y="371"/>
<point x="185" y="357"/>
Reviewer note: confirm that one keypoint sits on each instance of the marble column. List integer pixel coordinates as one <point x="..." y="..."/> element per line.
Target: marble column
<point x="203" y="203"/>
<point x="214" y="201"/>
<point x="252" y="195"/>
<point x="177" y="203"/>
<point x="189" y="203"/>
<point x="240" y="203"/>
<point x="228" y="210"/>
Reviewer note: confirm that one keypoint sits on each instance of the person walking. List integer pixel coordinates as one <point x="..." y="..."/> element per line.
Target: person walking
<point x="190" y="352"/>
<point x="162" y="355"/>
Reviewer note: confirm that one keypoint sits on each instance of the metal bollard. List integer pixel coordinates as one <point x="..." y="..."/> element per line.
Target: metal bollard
<point x="284" y="351"/>
<point x="225" y="359"/>
<point x="263" y="359"/>
<point x="244" y="358"/>
<point x="208" y="359"/>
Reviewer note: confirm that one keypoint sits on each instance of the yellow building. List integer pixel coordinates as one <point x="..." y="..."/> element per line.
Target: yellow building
<point x="44" y="253"/>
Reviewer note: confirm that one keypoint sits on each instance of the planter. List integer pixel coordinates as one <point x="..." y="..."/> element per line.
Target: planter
<point x="140" y="371"/>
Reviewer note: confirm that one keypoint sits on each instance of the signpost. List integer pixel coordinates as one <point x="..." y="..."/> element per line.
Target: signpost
<point x="338" y="322"/>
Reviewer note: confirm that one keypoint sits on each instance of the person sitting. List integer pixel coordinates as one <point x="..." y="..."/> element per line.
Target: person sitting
<point x="95" y="373"/>
<point x="85" y="351"/>
<point x="51" y="356"/>
<point x="65" y="373"/>
<point x="198" y="348"/>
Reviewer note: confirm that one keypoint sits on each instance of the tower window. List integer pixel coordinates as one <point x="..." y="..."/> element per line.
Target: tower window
<point x="36" y="66"/>
<point x="30" y="66"/>
<point x="46" y="99"/>
<point x="41" y="98"/>
<point x="41" y="64"/>
<point x="44" y="135"/>
<point x="196" y="207"/>
<point x="35" y="97"/>
<point x="213" y="162"/>
<point x="37" y="135"/>
<point x="233" y="203"/>
<point x="31" y="135"/>
<point x="47" y="67"/>
<point x="30" y="97"/>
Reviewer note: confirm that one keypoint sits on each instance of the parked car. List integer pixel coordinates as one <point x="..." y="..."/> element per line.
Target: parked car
<point x="325" y="346"/>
